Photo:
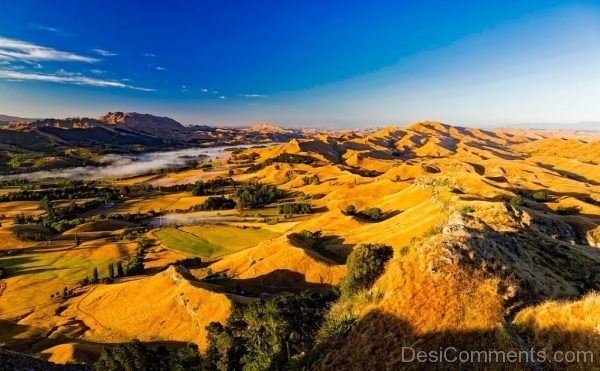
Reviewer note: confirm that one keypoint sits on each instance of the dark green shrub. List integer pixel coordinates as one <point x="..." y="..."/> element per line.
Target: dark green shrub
<point x="365" y="264"/>
<point x="517" y="200"/>
<point x="540" y="196"/>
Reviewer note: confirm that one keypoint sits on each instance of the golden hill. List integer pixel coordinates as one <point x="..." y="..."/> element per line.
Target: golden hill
<point x="169" y="306"/>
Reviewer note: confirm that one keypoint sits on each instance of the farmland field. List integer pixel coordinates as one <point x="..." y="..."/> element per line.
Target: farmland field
<point x="212" y="240"/>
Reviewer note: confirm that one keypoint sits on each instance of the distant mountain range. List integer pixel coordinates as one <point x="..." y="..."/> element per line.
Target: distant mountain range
<point x="127" y="131"/>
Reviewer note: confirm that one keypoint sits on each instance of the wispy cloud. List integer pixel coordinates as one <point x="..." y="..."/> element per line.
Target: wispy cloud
<point x="253" y="95"/>
<point x="104" y="52"/>
<point x="208" y="91"/>
<point x="222" y="97"/>
<point x="149" y="55"/>
<point x="97" y="71"/>
<point x="161" y="68"/>
<point x="45" y="28"/>
<point x="64" y="77"/>
<point x="17" y="50"/>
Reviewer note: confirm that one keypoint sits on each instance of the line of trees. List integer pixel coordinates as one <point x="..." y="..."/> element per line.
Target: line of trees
<point x="137" y="356"/>
<point x="256" y="194"/>
<point x="215" y="203"/>
<point x="63" y="193"/>
<point x="295" y="208"/>
<point x="370" y="213"/>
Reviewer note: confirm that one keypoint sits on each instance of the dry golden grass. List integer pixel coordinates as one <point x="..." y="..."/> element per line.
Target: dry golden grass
<point x="429" y="295"/>
<point x="165" y="307"/>
<point x="564" y="326"/>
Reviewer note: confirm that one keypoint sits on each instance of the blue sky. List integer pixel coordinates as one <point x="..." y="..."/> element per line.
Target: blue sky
<point x="305" y="63"/>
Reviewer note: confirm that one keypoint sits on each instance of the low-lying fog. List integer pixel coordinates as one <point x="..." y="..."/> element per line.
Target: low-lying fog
<point x="118" y="166"/>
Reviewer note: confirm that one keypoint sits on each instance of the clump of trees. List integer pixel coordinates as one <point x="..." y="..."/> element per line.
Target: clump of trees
<point x="365" y="264"/>
<point x="256" y="194"/>
<point x="24" y="234"/>
<point x="3" y="273"/>
<point x="211" y="187"/>
<point x="288" y="158"/>
<point x="370" y="213"/>
<point x="267" y="334"/>
<point x="215" y="203"/>
<point x="291" y="158"/>
<point x="137" y="356"/>
<point x="295" y="208"/>
<point x="313" y="179"/>
<point x="55" y="219"/>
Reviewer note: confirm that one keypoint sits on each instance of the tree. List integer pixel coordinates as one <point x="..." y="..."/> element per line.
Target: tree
<point x="350" y="209"/>
<point x="111" y="270"/>
<point x="65" y="292"/>
<point x="120" y="272"/>
<point x="266" y="335"/>
<point x="365" y="264"/>
<point x="517" y="200"/>
<point x="540" y="196"/>
<point x="133" y="356"/>
<point x="19" y="218"/>
<point x="188" y="358"/>
<point x="95" y="275"/>
<point x="373" y="213"/>
<point x="77" y="240"/>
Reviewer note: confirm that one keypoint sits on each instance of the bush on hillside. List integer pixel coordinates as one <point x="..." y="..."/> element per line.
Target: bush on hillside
<point x="365" y="264"/>
<point x="517" y="200"/>
<point x="540" y="196"/>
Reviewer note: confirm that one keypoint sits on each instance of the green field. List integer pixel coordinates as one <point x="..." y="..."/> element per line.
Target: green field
<point x="212" y="240"/>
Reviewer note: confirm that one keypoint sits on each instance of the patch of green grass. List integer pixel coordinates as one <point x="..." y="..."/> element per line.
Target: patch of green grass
<point x="231" y="238"/>
<point x="212" y="240"/>
<point x="52" y="266"/>
<point x="188" y="242"/>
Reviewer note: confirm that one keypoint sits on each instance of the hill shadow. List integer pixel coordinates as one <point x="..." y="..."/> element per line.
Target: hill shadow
<point x="276" y="281"/>
<point x="317" y="248"/>
<point x="382" y="341"/>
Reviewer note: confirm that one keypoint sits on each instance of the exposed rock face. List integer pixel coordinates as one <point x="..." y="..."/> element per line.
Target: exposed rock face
<point x="535" y="257"/>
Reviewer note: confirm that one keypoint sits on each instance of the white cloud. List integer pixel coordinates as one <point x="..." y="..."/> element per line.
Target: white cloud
<point x="254" y="96"/>
<point x="11" y="49"/>
<point x="46" y="28"/>
<point x="222" y="97"/>
<point x="205" y="90"/>
<point x="66" y="79"/>
<point x="96" y="71"/>
<point x="150" y="55"/>
<point x="41" y="27"/>
<point x="161" y="68"/>
<point x="104" y="52"/>
<point x="62" y="72"/>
